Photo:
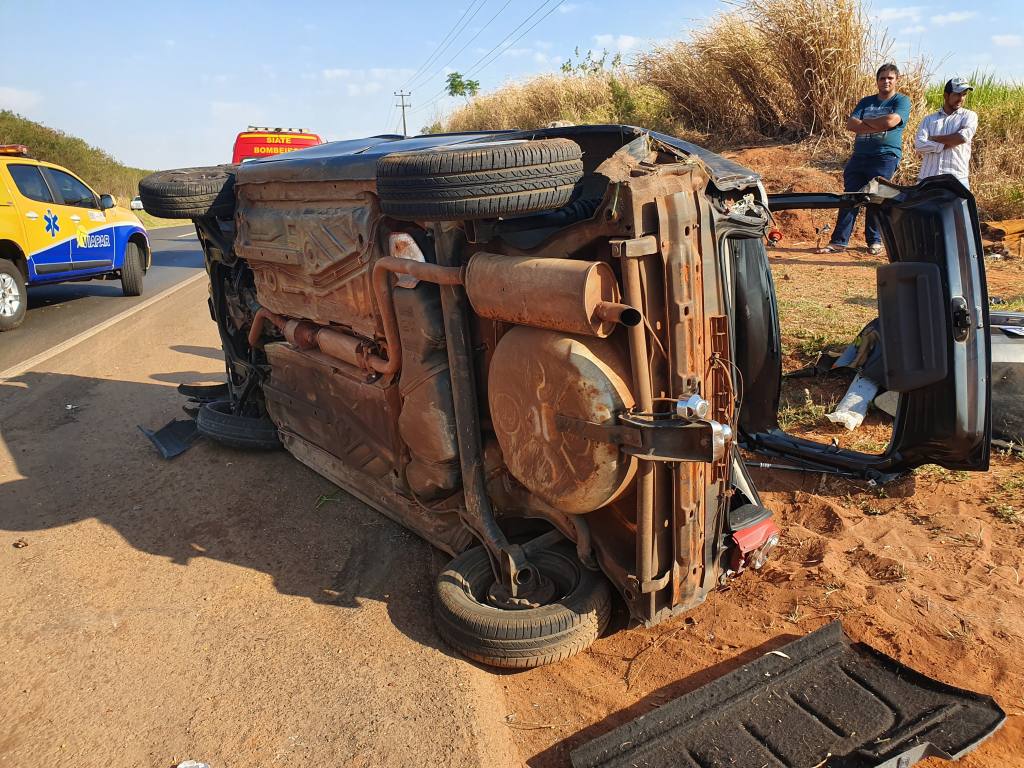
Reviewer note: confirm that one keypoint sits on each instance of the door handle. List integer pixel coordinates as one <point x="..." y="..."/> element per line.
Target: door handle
<point x="32" y="215"/>
<point x="76" y="218"/>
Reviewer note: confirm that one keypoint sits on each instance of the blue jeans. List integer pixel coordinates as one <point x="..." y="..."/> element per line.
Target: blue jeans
<point x="858" y="172"/>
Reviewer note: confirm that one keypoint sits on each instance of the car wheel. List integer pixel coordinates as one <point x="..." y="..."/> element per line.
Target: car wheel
<point x="188" y="193"/>
<point x="485" y="182"/>
<point x="216" y="421"/>
<point x="132" y="270"/>
<point x="13" y="296"/>
<point x="527" y="637"/>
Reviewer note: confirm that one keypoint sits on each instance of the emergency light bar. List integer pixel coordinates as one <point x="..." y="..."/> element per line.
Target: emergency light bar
<point x="15" y="150"/>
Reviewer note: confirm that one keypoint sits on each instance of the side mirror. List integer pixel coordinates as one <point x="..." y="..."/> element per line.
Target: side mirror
<point x="107" y="201"/>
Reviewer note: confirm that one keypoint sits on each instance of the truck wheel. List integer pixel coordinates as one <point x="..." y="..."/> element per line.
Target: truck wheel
<point x="187" y="193"/>
<point x="216" y="421"/>
<point x="13" y="296"/>
<point x="486" y="182"/>
<point x="132" y="271"/>
<point x="529" y="637"/>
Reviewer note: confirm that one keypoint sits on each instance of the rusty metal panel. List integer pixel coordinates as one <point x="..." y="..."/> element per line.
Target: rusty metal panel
<point x="535" y="377"/>
<point x="311" y="256"/>
<point x="312" y="396"/>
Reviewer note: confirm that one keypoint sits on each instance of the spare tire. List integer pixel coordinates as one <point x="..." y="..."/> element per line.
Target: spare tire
<point x="216" y="421"/>
<point x="187" y="193"/>
<point x="528" y="637"/>
<point x="487" y="181"/>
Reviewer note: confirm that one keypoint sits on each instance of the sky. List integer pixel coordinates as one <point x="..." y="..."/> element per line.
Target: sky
<point x="160" y="85"/>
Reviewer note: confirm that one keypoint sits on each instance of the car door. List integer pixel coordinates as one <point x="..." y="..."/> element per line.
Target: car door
<point x="47" y="245"/>
<point x="92" y="245"/>
<point x="933" y="317"/>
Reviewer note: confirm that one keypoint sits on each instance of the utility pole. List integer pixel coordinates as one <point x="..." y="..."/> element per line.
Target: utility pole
<point x="403" y="105"/>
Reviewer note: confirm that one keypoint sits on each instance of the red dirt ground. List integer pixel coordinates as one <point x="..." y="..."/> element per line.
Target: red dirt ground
<point x="927" y="569"/>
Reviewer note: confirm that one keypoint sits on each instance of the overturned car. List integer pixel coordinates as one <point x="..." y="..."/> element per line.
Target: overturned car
<point x="542" y="351"/>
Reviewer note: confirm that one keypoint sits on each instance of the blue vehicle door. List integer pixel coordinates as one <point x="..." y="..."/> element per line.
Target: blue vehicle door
<point x="92" y="241"/>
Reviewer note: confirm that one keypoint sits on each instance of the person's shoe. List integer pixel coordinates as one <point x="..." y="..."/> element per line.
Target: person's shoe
<point x="875" y="248"/>
<point x="832" y="248"/>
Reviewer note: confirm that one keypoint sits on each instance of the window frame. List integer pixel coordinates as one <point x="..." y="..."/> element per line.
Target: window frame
<point x="46" y="182"/>
<point x="56" y="188"/>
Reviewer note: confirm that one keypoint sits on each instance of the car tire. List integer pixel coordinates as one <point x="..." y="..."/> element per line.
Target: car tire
<point x="132" y="270"/>
<point x="486" y="182"/>
<point x="528" y="637"/>
<point x="188" y="193"/>
<point x="216" y="421"/>
<point x="13" y="296"/>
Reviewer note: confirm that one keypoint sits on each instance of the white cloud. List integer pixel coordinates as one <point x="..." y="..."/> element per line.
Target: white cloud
<point x="18" y="100"/>
<point x="618" y="43"/>
<point x="568" y="7"/>
<point x="362" y="89"/>
<point x="374" y="74"/>
<point x="953" y="18"/>
<point x="1007" y="41"/>
<point x="909" y="13"/>
<point x="917" y="29"/>
<point x="336" y="74"/>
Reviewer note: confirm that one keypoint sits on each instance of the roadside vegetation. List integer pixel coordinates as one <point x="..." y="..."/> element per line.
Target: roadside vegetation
<point x="97" y="168"/>
<point x="768" y="72"/>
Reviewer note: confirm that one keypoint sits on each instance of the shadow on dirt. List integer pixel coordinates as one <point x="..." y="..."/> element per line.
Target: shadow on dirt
<point x="557" y="756"/>
<point x="76" y="453"/>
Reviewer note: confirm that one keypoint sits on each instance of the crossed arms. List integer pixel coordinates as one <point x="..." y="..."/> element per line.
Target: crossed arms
<point x="925" y="143"/>
<point x="872" y="124"/>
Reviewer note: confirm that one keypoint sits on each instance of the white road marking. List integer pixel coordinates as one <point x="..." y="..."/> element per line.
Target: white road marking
<point x="42" y="357"/>
<point x="187" y="234"/>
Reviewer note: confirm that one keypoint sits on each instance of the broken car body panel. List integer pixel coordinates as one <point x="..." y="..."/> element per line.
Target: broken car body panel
<point x="933" y="310"/>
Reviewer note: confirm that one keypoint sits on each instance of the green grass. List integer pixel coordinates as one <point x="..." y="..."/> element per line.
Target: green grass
<point x="97" y="168"/>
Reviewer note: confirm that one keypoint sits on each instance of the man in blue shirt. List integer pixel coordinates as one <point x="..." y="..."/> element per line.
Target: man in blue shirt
<point x="877" y="122"/>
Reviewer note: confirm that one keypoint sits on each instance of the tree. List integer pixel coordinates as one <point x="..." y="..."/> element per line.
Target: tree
<point x="460" y="86"/>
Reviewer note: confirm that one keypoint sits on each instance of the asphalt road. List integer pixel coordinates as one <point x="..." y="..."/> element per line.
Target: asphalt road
<point x="58" y="312"/>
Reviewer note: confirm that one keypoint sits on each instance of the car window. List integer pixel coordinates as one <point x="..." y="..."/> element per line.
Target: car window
<point x="72" y="190"/>
<point x="30" y="182"/>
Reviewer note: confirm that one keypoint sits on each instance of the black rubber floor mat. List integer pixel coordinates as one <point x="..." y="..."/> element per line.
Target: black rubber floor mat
<point x="818" y="701"/>
<point x="173" y="438"/>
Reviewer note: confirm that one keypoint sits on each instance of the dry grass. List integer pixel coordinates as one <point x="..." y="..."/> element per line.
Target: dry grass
<point x="768" y="71"/>
<point x="605" y="96"/>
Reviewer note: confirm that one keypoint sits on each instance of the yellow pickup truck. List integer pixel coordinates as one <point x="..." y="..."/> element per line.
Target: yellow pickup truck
<point x="54" y="228"/>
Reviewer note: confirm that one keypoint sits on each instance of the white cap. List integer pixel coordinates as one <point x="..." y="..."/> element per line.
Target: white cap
<point x="958" y="85"/>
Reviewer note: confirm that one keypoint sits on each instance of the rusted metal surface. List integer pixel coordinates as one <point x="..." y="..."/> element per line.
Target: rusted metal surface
<point x="537" y="375"/>
<point x="334" y="408"/>
<point x="553" y="293"/>
<point x="642" y="388"/>
<point x="383" y="268"/>
<point x="309" y="247"/>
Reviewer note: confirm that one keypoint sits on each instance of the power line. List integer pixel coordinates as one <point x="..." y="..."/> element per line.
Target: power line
<point x="468" y="42"/>
<point x="478" y="66"/>
<point x="446" y="42"/>
<point x="507" y="47"/>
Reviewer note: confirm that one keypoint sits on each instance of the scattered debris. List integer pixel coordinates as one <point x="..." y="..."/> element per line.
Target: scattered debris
<point x="20" y="543"/>
<point x="173" y="438"/>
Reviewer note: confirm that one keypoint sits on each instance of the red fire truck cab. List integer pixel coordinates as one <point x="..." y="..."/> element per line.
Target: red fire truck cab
<point x="256" y="142"/>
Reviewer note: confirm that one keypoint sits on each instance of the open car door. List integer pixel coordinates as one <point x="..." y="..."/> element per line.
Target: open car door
<point x="933" y="317"/>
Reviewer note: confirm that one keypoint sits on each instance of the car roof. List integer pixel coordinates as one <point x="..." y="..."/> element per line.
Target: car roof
<point x="356" y="159"/>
